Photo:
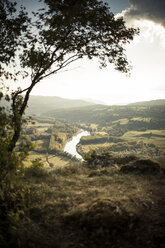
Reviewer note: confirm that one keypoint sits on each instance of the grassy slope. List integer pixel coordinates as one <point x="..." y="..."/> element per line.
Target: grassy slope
<point x="76" y="206"/>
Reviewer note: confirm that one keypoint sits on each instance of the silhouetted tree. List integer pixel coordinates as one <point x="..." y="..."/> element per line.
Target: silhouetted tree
<point x="13" y="25"/>
<point x="64" y="32"/>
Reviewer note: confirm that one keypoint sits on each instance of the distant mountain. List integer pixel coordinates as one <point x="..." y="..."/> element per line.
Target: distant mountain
<point x="93" y="101"/>
<point x="42" y="104"/>
<point x="63" y="108"/>
<point x="149" y="103"/>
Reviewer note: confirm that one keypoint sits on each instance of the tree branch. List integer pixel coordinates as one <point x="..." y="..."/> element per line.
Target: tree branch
<point x="67" y="62"/>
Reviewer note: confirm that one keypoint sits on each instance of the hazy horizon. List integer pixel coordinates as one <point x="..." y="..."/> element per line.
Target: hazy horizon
<point x="92" y="100"/>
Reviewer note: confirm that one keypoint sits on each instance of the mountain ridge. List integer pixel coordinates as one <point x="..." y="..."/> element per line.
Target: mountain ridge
<point x="45" y="105"/>
<point x="42" y="104"/>
<point x="147" y="103"/>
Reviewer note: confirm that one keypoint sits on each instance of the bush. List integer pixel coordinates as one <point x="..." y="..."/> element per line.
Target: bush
<point x="36" y="169"/>
<point x="90" y="156"/>
<point x="141" y="166"/>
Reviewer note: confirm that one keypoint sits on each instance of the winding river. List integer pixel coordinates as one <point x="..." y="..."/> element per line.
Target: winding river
<point x="70" y="146"/>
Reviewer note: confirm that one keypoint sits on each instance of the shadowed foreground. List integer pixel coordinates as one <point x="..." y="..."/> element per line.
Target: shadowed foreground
<point x="77" y="206"/>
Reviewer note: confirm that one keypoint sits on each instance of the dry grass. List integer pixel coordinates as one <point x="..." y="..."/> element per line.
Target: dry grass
<point x="74" y="206"/>
<point x="40" y="124"/>
<point x="138" y="133"/>
<point x="121" y="121"/>
<point x="57" y="161"/>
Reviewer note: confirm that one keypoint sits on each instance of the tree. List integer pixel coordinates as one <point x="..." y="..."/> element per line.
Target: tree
<point x="64" y="32"/>
<point x="12" y="26"/>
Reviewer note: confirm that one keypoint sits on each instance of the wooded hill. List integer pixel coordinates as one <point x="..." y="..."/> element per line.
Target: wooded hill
<point x="39" y="105"/>
<point x="150" y="117"/>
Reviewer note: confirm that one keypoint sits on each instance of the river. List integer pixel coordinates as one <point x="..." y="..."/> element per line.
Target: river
<point x="70" y="146"/>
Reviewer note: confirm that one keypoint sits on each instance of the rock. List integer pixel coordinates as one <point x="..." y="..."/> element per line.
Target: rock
<point x="142" y="166"/>
<point x="51" y="165"/>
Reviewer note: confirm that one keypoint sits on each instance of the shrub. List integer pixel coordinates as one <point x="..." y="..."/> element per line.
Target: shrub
<point x="36" y="169"/>
<point x="90" y="156"/>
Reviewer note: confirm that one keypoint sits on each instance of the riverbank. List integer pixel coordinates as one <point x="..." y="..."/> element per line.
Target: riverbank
<point x="78" y="206"/>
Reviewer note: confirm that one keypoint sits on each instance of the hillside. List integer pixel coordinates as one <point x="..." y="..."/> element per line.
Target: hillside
<point x="39" y="105"/>
<point x="120" y="129"/>
<point x="103" y="206"/>
<point x="105" y="115"/>
<point x="149" y="103"/>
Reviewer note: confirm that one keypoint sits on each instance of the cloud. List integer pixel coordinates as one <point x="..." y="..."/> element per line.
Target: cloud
<point x="153" y="10"/>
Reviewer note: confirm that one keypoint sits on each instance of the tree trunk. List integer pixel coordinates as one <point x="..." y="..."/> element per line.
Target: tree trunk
<point x="14" y="140"/>
<point x="17" y="117"/>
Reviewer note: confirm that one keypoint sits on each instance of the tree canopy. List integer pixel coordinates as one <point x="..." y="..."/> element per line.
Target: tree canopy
<point x="12" y="26"/>
<point x="59" y="34"/>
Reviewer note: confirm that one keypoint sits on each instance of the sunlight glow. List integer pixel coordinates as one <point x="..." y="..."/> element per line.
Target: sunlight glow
<point x="85" y="80"/>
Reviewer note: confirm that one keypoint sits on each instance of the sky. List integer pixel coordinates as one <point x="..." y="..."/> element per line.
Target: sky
<point x="84" y="79"/>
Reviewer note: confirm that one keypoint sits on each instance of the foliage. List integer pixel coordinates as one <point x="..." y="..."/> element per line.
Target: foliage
<point x="94" y="155"/>
<point x="90" y="157"/>
<point x="13" y="26"/>
<point x="12" y="194"/>
<point x="36" y="169"/>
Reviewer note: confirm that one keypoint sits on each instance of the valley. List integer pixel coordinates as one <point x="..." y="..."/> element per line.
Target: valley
<point x="121" y="130"/>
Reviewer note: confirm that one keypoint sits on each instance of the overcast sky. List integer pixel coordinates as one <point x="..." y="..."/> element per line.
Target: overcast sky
<point x="147" y="55"/>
